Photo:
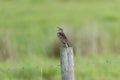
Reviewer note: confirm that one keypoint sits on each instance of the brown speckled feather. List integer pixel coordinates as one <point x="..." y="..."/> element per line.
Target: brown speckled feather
<point x="63" y="38"/>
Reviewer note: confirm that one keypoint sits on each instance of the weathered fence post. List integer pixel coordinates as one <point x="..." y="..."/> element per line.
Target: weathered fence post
<point x="67" y="65"/>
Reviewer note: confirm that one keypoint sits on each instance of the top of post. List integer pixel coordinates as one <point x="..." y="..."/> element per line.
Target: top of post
<point x="65" y="47"/>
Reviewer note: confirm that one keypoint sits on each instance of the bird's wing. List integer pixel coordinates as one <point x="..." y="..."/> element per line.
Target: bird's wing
<point x="64" y="38"/>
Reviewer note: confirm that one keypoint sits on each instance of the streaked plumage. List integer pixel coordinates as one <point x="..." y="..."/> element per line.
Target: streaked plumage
<point x="63" y="37"/>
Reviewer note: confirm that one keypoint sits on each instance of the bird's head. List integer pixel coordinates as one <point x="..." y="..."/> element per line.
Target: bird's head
<point x="60" y="29"/>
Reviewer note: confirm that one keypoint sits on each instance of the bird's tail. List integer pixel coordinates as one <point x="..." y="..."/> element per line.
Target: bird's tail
<point x="67" y="45"/>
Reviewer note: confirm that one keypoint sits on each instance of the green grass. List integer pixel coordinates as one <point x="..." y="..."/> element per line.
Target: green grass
<point x="95" y="67"/>
<point x="32" y="24"/>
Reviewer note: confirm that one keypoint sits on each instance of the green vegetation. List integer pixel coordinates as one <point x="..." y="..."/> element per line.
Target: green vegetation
<point x="28" y="30"/>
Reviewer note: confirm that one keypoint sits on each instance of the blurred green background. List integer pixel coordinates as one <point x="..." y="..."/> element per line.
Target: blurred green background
<point x="29" y="47"/>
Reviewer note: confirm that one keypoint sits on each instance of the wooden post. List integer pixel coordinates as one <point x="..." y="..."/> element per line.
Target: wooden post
<point x="67" y="65"/>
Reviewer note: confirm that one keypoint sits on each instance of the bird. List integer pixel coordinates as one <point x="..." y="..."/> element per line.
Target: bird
<point x="62" y="37"/>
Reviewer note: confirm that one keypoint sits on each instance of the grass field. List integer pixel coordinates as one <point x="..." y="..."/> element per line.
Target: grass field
<point x="30" y="27"/>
